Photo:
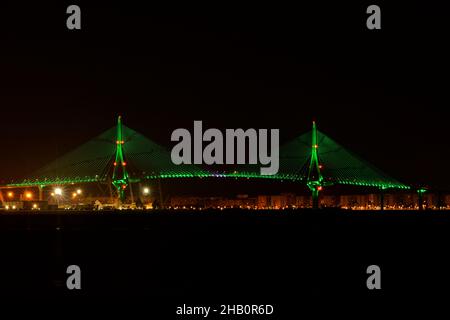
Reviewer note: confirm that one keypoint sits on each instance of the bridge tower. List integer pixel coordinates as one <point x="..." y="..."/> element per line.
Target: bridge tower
<point x="315" y="178"/>
<point x="120" y="177"/>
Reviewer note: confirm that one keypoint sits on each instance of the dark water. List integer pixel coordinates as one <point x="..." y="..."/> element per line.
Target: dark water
<point x="263" y="257"/>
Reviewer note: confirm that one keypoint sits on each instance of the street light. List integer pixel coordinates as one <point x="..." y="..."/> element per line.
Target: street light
<point x="146" y="191"/>
<point x="57" y="193"/>
<point x="28" y="195"/>
<point x="10" y="194"/>
<point x="79" y="191"/>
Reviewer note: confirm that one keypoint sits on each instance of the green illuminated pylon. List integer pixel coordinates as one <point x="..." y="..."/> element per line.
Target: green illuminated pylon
<point x="120" y="176"/>
<point x="315" y="178"/>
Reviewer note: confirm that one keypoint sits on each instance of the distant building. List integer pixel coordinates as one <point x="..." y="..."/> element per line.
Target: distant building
<point x="400" y="201"/>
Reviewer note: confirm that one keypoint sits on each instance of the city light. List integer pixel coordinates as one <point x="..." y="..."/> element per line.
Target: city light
<point x="28" y="195"/>
<point x="58" y="191"/>
<point x="35" y="206"/>
<point x="79" y="191"/>
<point x="74" y="194"/>
<point x="10" y="194"/>
<point x="146" y="190"/>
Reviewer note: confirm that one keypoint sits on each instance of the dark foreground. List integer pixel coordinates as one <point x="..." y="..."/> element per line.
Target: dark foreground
<point x="283" y="258"/>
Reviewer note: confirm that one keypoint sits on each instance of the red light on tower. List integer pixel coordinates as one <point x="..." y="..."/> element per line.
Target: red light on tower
<point x="124" y="163"/>
<point x="115" y="163"/>
<point x="319" y="188"/>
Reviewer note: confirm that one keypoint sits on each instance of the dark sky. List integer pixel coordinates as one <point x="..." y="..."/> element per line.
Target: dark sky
<point x="382" y="94"/>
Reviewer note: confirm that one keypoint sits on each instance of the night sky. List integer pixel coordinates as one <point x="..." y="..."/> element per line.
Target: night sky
<point x="383" y="94"/>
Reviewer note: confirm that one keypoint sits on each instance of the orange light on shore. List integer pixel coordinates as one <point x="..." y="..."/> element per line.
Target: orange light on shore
<point x="28" y="195"/>
<point x="10" y="194"/>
